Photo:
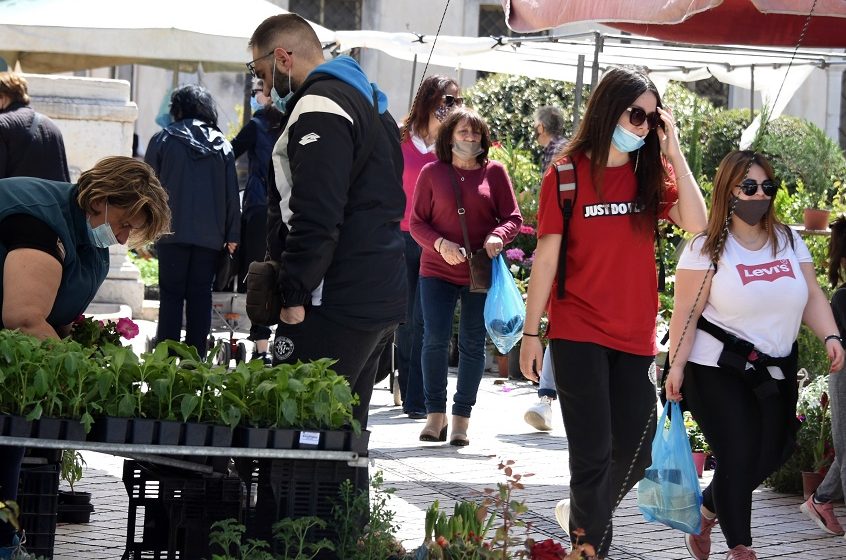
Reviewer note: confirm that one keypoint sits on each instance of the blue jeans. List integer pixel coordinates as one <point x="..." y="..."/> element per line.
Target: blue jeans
<point x="438" y="299"/>
<point x="410" y="335"/>
<point x="547" y="376"/>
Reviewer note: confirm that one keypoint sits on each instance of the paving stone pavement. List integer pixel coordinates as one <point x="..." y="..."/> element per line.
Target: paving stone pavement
<point x="424" y="472"/>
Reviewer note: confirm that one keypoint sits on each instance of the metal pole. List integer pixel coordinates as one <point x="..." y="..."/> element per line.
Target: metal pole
<point x="752" y="94"/>
<point x="599" y="40"/>
<point x="413" y="79"/>
<point x="580" y="82"/>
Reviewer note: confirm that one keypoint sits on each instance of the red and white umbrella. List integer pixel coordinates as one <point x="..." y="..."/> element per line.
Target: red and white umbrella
<point x="709" y="22"/>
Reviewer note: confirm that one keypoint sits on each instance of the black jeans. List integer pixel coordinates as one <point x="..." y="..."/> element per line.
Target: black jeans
<point x="357" y="351"/>
<point x="186" y="273"/>
<point x="747" y="436"/>
<point x="609" y="403"/>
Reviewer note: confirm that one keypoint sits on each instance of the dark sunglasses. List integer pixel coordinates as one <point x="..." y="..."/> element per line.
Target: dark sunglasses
<point x="750" y="187"/>
<point x="637" y="116"/>
<point x="451" y="100"/>
<point x="251" y="65"/>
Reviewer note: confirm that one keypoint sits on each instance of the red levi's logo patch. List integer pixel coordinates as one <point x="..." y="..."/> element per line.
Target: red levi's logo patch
<point x="766" y="271"/>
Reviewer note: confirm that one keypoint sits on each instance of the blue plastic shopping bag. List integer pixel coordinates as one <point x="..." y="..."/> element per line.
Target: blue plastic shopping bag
<point x="669" y="492"/>
<point x="505" y="311"/>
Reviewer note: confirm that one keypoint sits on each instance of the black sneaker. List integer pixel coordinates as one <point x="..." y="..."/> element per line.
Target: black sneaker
<point x="264" y="357"/>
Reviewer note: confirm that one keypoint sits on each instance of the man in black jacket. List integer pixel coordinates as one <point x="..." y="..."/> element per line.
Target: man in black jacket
<point x="31" y="145"/>
<point x="339" y="201"/>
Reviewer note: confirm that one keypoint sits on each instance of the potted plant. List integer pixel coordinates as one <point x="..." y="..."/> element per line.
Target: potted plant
<point x="74" y="507"/>
<point x="698" y="445"/>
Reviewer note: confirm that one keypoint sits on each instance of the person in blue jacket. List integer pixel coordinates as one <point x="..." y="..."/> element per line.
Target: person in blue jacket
<point x="338" y="202"/>
<point x="196" y="165"/>
<point x="54" y="255"/>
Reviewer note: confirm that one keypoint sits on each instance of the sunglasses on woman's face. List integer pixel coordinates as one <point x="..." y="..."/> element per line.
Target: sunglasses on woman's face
<point x="637" y="116"/>
<point x="452" y="100"/>
<point x="750" y="187"/>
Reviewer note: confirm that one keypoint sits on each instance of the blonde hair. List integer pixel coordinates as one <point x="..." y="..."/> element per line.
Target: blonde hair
<point x="13" y="85"/>
<point x="131" y="185"/>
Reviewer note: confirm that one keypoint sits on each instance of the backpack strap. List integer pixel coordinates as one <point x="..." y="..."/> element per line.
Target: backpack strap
<point x="567" y="189"/>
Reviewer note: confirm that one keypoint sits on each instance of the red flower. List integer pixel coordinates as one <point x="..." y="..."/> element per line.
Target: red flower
<point x="126" y="328"/>
<point x="547" y="550"/>
<point x="527" y="230"/>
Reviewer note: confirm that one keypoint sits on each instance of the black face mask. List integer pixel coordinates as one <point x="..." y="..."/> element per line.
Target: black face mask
<point x="751" y="211"/>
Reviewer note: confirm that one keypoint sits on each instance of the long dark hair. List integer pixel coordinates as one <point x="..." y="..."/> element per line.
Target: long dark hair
<point x="193" y="102"/>
<point x="429" y="97"/>
<point x="836" y="250"/>
<point x="616" y="92"/>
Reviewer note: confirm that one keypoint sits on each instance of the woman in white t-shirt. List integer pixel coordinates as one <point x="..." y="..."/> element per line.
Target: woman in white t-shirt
<point x="748" y="280"/>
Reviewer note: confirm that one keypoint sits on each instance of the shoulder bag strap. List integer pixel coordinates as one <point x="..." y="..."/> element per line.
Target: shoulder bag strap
<point x="460" y="206"/>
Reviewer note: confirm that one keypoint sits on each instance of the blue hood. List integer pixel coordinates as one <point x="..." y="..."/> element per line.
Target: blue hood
<point x="345" y="68"/>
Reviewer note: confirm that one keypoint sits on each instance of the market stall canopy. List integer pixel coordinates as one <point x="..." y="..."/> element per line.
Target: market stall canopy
<point x="709" y="22"/>
<point x="557" y="57"/>
<point x="47" y="36"/>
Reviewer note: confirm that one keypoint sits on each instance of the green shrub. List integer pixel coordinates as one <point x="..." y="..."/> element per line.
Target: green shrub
<point x="508" y="104"/>
<point x="692" y="113"/>
<point x="525" y="177"/>
<point x="720" y="136"/>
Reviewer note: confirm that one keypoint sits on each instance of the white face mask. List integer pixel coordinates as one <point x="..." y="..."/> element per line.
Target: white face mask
<point x="104" y="236"/>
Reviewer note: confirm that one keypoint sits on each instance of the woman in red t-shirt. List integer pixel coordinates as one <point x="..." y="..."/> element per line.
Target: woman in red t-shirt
<point x="602" y="332"/>
<point x="492" y="221"/>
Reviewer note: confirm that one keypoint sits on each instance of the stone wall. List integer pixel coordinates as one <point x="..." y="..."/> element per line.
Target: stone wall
<point x="97" y="119"/>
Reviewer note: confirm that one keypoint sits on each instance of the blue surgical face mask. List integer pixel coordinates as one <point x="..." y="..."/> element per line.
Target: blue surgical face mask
<point x="255" y="105"/>
<point x="103" y="235"/>
<point x="278" y="101"/>
<point x="626" y="141"/>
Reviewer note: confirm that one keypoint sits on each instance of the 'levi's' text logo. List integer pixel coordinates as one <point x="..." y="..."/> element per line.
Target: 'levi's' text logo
<point x="766" y="271"/>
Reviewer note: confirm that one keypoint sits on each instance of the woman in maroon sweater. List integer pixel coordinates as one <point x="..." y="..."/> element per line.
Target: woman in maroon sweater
<point x="493" y="220"/>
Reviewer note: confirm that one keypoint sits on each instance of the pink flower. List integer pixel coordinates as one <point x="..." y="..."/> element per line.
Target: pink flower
<point x="515" y="254"/>
<point x="528" y="230"/>
<point x="126" y="328"/>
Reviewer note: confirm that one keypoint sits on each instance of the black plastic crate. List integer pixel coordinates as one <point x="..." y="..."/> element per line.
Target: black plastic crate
<point x="171" y="510"/>
<point x="294" y="488"/>
<point x="38" y="497"/>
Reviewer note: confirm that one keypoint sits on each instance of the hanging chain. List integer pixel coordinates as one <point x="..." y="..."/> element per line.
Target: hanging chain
<point x="426" y="67"/>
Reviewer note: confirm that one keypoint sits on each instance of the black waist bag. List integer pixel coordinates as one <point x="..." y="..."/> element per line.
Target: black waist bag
<point x="264" y="299"/>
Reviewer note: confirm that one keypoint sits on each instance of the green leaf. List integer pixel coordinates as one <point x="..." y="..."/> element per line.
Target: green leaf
<point x="188" y="405"/>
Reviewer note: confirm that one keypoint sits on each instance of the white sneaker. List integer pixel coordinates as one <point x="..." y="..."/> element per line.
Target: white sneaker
<point x="539" y="415"/>
<point x="562" y="514"/>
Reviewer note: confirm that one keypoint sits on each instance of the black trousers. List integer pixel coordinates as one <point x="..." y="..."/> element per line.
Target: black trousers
<point x="186" y="273"/>
<point x="357" y="351"/>
<point x="252" y="248"/>
<point x="747" y="436"/>
<point x="609" y="406"/>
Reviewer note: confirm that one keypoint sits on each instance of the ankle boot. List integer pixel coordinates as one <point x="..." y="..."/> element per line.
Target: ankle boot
<point x="459" y="431"/>
<point x="435" y="428"/>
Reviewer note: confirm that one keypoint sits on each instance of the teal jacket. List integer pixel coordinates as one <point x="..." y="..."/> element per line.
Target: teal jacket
<point x="85" y="266"/>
